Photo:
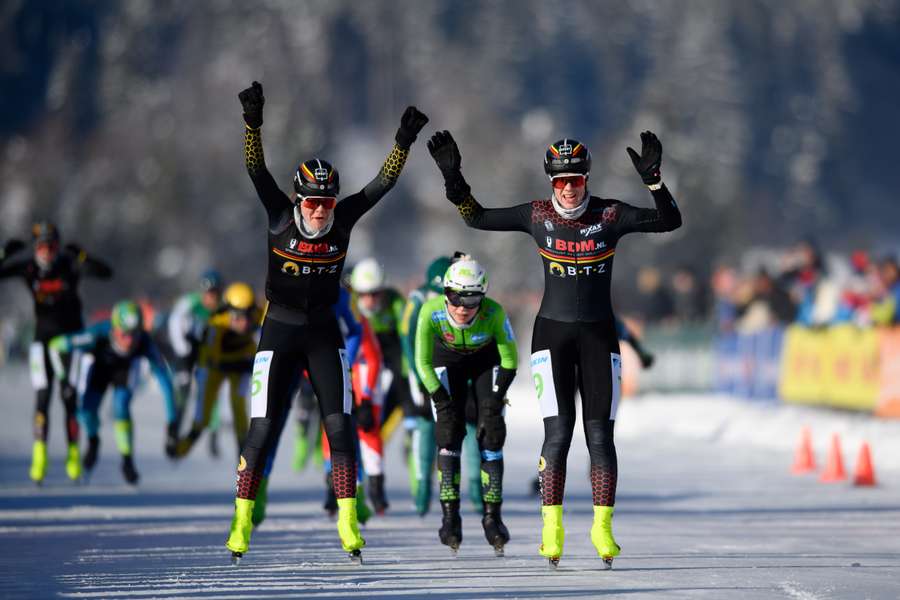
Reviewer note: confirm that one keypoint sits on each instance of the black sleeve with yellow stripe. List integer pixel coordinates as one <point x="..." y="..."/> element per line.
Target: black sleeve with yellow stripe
<point x="350" y="209"/>
<point x="273" y="199"/>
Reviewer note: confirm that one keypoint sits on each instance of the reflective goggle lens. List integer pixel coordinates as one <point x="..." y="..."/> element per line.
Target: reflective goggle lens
<point x="313" y="202"/>
<point x="561" y="182"/>
<point x="469" y="300"/>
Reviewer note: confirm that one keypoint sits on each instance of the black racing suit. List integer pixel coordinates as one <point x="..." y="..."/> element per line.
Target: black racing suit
<point x="300" y="330"/>
<point x="574" y="339"/>
<point x="57" y="310"/>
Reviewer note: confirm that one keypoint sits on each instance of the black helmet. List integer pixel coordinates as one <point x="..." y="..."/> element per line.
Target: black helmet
<point x="45" y="231"/>
<point x="567" y="156"/>
<point x="316" y="177"/>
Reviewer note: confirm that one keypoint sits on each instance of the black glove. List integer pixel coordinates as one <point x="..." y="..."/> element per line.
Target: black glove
<point x="446" y="155"/>
<point x="73" y="249"/>
<point x="365" y="416"/>
<point x="11" y="247"/>
<point x="646" y="359"/>
<point x="647" y="164"/>
<point x="411" y="123"/>
<point x="172" y="440"/>
<point x="252" y="100"/>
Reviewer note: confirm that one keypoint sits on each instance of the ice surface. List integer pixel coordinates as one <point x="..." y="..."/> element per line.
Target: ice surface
<point x="706" y="509"/>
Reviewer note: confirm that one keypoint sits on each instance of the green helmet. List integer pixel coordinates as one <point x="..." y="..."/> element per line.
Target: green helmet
<point x="126" y="316"/>
<point x="434" y="276"/>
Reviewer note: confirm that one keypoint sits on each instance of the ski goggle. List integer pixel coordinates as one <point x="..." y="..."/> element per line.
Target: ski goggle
<point x="314" y="202"/>
<point x="464" y="299"/>
<point x="561" y="182"/>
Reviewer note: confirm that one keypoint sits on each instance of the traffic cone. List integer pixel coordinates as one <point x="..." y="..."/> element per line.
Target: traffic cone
<point x="865" y="472"/>
<point x="804" y="460"/>
<point x="834" y="467"/>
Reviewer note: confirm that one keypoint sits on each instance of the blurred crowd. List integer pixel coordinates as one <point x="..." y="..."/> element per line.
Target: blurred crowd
<point x="797" y="285"/>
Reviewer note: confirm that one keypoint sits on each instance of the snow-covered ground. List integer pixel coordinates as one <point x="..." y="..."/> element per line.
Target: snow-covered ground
<point x="706" y="509"/>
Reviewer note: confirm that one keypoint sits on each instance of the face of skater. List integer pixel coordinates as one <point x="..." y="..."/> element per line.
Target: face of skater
<point x="369" y="302"/>
<point x="124" y="340"/>
<point x="211" y="299"/>
<point x="316" y="211"/>
<point x="569" y="190"/>
<point x="462" y="308"/>
<point x="239" y="321"/>
<point x="45" y="253"/>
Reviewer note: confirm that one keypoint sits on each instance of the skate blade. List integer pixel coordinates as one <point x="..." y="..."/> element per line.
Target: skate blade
<point x="499" y="551"/>
<point x="606" y="563"/>
<point x="236" y="558"/>
<point x="355" y="557"/>
<point x="454" y="550"/>
<point x="553" y="563"/>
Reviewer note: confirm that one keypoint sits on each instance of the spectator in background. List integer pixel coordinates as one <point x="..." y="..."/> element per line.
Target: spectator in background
<point x="653" y="301"/>
<point x="769" y="305"/>
<point x="886" y="304"/>
<point x="724" y="283"/>
<point x="688" y="298"/>
<point x="858" y="291"/>
<point x="803" y="276"/>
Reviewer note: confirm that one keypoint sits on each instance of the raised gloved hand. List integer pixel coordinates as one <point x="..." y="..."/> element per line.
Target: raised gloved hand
<point x="411" y="123"/>
<point x="445" y="152"/>
<point x="650" y="159"/>
<point x="446" y="155"/>
<point x="252" y="100"/>
<point x="73" y="249"/>
<point x="59" y="344"/>
<point x="172" y="440"/>
<point x="11" y="247"/>
<point x="365" y="415"/>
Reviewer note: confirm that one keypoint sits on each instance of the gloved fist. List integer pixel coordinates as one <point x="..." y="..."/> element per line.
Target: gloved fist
<point x="11" y="247"/>
<point x="650" y="159"/>
<point x="59" y="344"/>
<point x="445" y="152"/>
<point x="73" y="249"/>
<point x="252" y="100"/>
<point x="441" y="398"/>
<point x="172" y="440"/>
<point x="411" y="123"/>
<point x="365" y="415"/>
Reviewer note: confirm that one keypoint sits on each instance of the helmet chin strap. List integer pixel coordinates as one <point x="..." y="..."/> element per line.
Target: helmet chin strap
<point x="570" y="214"/>
<point x="307" y="231"/>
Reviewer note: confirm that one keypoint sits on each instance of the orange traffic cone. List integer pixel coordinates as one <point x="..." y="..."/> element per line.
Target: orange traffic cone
<point x="804" y="460"/>
<point x="865" y="472"/>
<point x="834" y="467"/>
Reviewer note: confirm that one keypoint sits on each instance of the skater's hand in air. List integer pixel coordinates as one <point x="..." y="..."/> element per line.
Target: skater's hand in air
<point x="11" y="247"/>
<point x="252" y="100"/>
<point x="445" y="152"/>
<point x="650" y="159"/>
<point x="73" y="249"/>
<point x="172" y="440"/>
<point x="59" y="345"/>
<point x="365" y="417"/>
<point x="411" y="123"/>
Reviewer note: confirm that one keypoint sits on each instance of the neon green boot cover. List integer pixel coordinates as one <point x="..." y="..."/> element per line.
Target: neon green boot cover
<point x="601" y="532"/>
<point x="73" y="462"/>
<point x="241" y="526"/>
<point x="38" y="461"/>
<point x="301" y="450"/>
<point x="348" y="528"/>
<point x="553" y="535"/>
<point x="123" y="436"/>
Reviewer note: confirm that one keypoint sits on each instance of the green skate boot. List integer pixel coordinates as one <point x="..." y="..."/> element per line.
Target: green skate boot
<point x="553" y="535"/>
<point x="602" y="537"/>
<point x="38" y="462"/>
<point x="241" y="527"/>
<point x="301" y="451"/>
<point x="259" y="505"/>
<point x="363" y="512"/>
<point x="348" y="529"/>
<point x="73" y="463"/>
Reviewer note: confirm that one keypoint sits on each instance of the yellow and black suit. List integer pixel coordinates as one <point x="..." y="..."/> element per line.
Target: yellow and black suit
<point x="224" y="355"/>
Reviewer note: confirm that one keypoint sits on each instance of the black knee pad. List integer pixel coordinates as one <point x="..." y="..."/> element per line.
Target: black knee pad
<point x="600" y="443"/>
<point x="449" y="429"/>
<point x="339" y="430"/>
<point x="259" y="433"/>
<point x="557" y="437"/>
<point x="492" y="431"/>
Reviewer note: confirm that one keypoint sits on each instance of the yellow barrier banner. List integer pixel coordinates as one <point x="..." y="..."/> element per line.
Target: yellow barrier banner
<point x="851" y="374"/>
<point x="803" y="366"/>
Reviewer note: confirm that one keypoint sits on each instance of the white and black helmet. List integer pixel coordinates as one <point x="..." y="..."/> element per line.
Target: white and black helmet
<point x="367" y="277"/>
<point x="466" y="277"/>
